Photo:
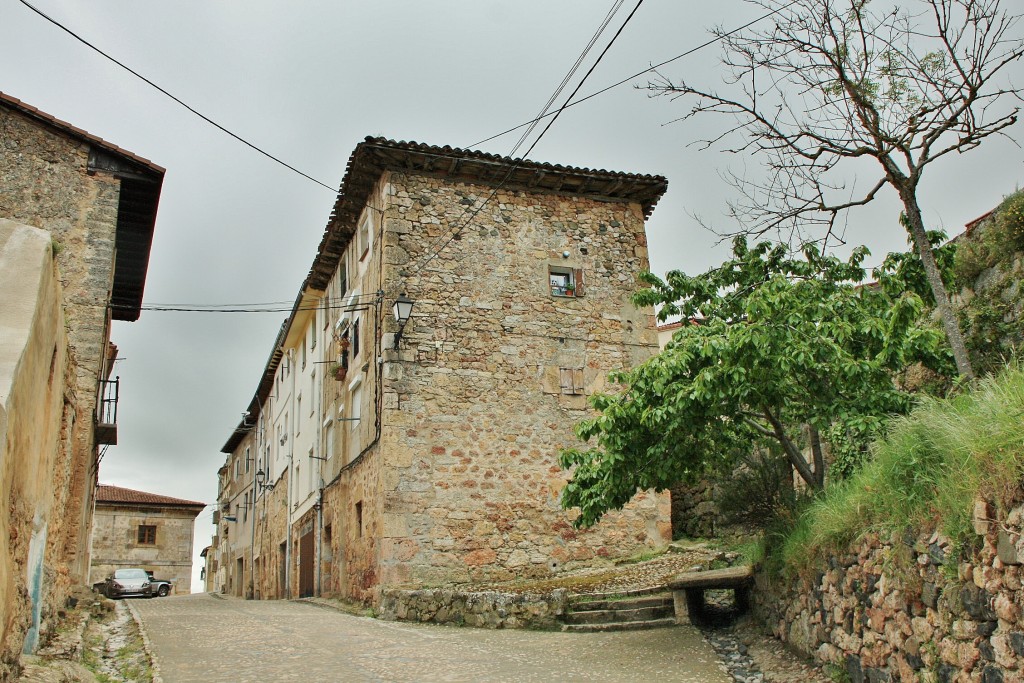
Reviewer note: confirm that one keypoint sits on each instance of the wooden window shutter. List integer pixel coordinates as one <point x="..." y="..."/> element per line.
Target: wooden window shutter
<point x="565" y="375"/>
<point x="577" y="276"/>
<point x="577" y="381"/>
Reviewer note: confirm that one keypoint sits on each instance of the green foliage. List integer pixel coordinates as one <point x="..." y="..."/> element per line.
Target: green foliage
<point x="760" y="491"/>
<point x="993" y="242"/>
<point x="783" y="341"/>
<point x="928" y="469"/>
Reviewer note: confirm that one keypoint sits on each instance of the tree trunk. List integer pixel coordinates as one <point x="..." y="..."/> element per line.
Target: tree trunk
<point x="796" y="458"/>
<point x="819" y="459"/>
<point x="915" y="226"/>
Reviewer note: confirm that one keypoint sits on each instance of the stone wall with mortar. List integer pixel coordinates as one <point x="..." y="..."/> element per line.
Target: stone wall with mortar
<point x="354" y="547"/>
<point x="115" y="542"/>
<point x="271" y="511"/>
<point x="902" y="608"/>
<point x="474" y="411"/>
<point x="478" y="609"/>
<point x="46" y="183"/>
<point x="34" y="371"/>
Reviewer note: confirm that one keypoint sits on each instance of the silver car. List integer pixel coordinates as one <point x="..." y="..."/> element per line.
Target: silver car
<point x="125" y="583"/>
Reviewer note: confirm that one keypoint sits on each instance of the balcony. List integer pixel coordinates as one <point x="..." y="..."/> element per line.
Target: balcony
<point x="106" y="412"/>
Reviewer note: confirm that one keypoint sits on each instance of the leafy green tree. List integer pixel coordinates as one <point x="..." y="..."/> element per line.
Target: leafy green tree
<point x="826" y="89"/>
<point x="783" y="350"/>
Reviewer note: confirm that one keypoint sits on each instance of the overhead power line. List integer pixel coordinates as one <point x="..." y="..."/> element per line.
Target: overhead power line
<point x="476" y="210"/>
<point x="649" y="69"/>
<point x="204" y="117"/>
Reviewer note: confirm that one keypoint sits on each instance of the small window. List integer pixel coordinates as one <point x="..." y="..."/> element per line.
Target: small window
<point x="571" y="380"/>
<point x="565" y="282"/>
<point x="364" y="236"/>
<point x="147" y="534"/>
<point x="248" y="459"/>
<point x="359" y="518"/>
<point x="355" y="339"/>
<point x="303" y="356"/>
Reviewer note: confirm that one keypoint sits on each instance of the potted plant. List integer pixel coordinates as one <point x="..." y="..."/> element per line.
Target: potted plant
<point x="339" y="371"/>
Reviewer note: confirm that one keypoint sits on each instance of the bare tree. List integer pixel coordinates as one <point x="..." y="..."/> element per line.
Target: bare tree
<point x="830" y="87"/>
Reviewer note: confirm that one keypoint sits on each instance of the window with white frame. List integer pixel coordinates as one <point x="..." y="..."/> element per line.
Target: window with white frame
<point x="365" y="232"/>
<point x="565" y="282"/>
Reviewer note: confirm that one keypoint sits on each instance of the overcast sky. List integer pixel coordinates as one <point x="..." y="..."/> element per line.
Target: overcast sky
<point x="307" y="81"/>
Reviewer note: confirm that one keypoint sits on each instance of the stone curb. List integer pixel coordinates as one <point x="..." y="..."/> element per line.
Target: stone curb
<point x="147" y="644"/>
<point x="334" y="607"/>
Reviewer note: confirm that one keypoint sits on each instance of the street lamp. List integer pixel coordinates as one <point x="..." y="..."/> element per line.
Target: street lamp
<point x="403" y="311"/>
<point x="261" y="478"/>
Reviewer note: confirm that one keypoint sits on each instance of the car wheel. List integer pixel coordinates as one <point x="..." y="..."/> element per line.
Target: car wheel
<point x="163" y="591"/>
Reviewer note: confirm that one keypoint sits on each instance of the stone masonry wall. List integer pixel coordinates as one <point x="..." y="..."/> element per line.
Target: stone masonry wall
<point x="115" y="543"/>
<point x="46" y="183"/>
<point x="355" y="535"/>
<point x="271" y="512"/>
<point x="902" y="608"/>
<point x="478" y="609"/>
<point x="33" y="374"/>
<point x="475" y="411"/>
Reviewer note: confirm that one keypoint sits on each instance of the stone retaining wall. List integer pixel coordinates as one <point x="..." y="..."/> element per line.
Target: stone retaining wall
<point x="482" y="610"/>
<point x="901" y="608"/>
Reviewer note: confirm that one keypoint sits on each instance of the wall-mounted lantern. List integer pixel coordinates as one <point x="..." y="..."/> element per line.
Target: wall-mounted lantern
<point x="403" y="311"/>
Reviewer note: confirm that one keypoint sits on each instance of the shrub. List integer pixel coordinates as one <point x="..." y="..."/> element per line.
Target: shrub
<point x="925" y="473"/>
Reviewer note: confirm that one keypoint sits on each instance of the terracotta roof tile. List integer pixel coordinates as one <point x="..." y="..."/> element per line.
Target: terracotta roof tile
<point x="75" y="131"/>
<point x="106" y="493"/>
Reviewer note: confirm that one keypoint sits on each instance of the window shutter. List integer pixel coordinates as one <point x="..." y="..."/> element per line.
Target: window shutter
<point x="577" y="381"/>
<point x="577" y="274"/>
<point x="566" y="380"/>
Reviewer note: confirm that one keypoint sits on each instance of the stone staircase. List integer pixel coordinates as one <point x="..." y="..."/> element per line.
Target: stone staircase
<point x="626" y="611"/>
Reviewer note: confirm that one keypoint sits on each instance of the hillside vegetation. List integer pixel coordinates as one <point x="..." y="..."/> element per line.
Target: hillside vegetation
<point x="925" y="473"/>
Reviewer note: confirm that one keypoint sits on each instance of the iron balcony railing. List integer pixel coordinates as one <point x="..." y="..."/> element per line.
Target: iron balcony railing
<point x="106" y="411"/>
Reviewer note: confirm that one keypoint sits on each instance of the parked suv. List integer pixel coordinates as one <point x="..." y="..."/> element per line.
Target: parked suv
<point x="125" y="583"/>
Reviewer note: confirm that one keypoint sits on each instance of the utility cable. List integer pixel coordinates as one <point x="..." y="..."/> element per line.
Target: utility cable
<point x="649" y="69"/>
<point x="179" y="101"/>
<point x="568" y="76"/>
<point x="457" y="230"/>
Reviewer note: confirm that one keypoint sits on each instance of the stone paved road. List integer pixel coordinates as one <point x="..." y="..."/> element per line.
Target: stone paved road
<point x="209" y="639"/>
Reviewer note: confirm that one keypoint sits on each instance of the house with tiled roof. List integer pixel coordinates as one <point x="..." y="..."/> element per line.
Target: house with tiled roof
<point x="385" y="449"/>
<point x="77" y="216"/>
<point x="148" y="530"/>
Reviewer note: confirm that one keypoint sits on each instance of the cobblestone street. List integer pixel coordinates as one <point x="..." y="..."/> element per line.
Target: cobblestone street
<point x="207" y="638"/>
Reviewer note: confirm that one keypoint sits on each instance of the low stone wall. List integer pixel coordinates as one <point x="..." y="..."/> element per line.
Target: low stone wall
<point x="482" y="610"/>
<point x="901" y="609"/>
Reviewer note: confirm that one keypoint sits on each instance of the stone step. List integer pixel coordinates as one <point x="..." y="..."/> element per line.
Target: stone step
<point x="618" y="595"/>
<point x="655" y="600"/>
<point x="619" y="626"/>
<point x="606" y="616"/>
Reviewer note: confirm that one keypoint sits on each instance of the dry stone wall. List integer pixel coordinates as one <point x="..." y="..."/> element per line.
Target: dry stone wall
<point x="478" y="609"/>
<point x="903" y="608"/>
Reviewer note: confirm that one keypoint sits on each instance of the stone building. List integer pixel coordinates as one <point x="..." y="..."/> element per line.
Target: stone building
<point x="81" y="214"/>
<point x="147" y="530"/>
<point x="428" y="454"/>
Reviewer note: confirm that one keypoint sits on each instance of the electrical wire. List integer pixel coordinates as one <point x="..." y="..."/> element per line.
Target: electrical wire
<point x="345" y="303"/>
<point x="568" y="76"/>
<point x="433" y="252"/>
<point x="649" y="69"/>
<point x="204" y="117"/>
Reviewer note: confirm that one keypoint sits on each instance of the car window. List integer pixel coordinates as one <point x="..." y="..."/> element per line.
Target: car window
<point x="130" y="574"/>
